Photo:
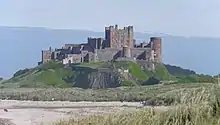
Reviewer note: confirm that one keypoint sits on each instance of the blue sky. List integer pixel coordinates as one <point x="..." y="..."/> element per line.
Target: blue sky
<point x="175" y="17"/>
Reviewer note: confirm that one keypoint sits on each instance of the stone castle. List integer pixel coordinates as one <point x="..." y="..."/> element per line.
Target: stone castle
<point x="118" y="45"/>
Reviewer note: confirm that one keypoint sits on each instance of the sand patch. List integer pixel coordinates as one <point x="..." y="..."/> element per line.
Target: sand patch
<point x="46" y="113"/>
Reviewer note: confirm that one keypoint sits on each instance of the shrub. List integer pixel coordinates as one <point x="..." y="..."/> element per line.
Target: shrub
<point x="152" y="81"/>
<point x="197" y="79"/>
<point x="21" y="72"/>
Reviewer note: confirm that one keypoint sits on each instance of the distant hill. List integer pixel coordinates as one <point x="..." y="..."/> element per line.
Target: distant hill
<point x="22" y="47"/>
<point x="178" y="71"/>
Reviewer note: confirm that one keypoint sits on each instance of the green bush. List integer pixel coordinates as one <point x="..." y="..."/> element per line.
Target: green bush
<point x="21" y="72"/>
<point x="152" y="81"/>
<point x="197" y="79"/>
<point x="50" y="65"/>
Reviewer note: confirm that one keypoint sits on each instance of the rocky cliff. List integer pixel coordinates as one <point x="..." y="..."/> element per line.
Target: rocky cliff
<point x="104" y="80"/>
<point x="97" y="78"/>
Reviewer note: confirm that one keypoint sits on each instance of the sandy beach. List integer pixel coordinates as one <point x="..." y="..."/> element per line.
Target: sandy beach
<point x="46" y="113"/>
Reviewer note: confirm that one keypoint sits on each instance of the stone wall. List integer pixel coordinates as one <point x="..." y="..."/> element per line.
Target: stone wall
<point x="96" y="43"/>
<point x="125" y="59"/>
<point x="108" y="54"/>
<point x="146" y="64"/>
<point x="139" y="53"/>
<point x="47" y="55"/>
<point x="72" y="58"/>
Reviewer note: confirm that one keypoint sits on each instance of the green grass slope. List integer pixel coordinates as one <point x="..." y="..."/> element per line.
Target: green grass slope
<point x="161" y="73"/>
<point x="49" y="74"/>
<point x="134" y="69"/>
<point x="54" y="74"/>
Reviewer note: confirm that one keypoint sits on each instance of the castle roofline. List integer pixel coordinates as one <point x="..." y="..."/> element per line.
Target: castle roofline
<point x="95" y="38"/>
<point x="155" y="37"/>
<point x="116" y="27"/>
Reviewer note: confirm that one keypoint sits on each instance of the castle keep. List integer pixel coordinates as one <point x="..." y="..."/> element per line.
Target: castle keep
<point x="118" y="45"/>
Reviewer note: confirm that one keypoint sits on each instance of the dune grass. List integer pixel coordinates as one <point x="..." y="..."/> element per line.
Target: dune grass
<point x="191" y="104"/>
<point x="161" y="94"/>
<point x="199" y="106"/>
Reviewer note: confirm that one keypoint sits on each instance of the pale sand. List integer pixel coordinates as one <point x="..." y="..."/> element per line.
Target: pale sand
<point x="46" y="113"/>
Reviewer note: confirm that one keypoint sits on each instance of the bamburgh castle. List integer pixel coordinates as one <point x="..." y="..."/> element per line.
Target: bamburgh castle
<point x="118" y="45"/>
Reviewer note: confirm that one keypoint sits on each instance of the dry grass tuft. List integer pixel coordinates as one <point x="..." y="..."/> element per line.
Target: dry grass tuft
<point x="195" y="107"/>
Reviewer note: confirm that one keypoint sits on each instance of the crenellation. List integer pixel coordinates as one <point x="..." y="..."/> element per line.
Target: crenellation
<point x="118" y="44"/>
<point x="96" y="43"/>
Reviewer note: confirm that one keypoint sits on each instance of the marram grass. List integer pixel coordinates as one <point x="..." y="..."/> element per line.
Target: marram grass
<point x="197" y="107"/>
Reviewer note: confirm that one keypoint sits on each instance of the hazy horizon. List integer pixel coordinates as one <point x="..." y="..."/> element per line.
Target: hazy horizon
<point x="178" y="18"/>
<point x="147" y="32"/>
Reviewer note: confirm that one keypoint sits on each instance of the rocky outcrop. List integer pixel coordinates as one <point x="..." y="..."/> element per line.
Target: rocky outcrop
<point x="100" y="78"/>
<point x="104" y="80"/>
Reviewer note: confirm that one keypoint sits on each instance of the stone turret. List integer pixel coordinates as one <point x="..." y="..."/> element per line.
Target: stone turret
<point x="157" y="47"/>
<point x="126" y="52"/>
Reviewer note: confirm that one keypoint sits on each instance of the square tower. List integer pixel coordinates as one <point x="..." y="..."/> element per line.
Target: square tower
<point x="96" y="43"/>
<point x="118" y="38"/>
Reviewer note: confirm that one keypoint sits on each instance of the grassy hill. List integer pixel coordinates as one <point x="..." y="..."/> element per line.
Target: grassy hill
<point x="50" y="74"/>
<point x="54" y="74"/>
